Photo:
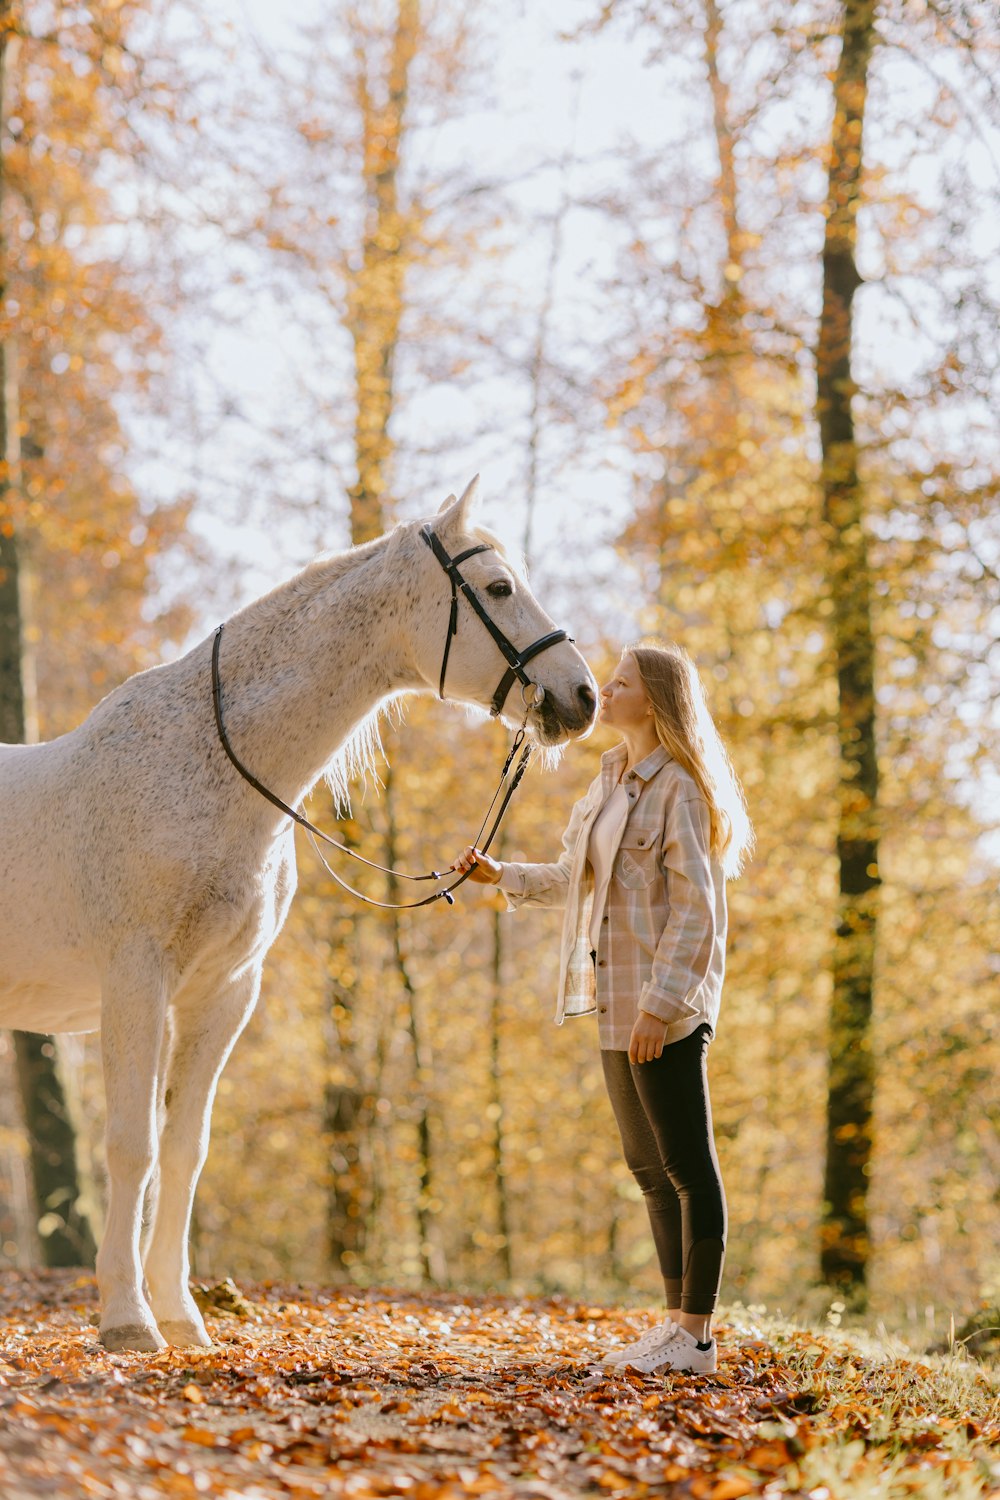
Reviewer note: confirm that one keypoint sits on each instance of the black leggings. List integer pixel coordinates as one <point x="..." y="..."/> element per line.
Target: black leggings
<point x="665" y="1118"/>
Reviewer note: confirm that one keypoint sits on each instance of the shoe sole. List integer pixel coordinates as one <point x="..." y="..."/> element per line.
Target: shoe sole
<point x="667" y="1368"/>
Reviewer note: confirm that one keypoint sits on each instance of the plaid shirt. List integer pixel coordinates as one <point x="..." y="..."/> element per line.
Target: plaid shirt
<point x="663" y="934"/>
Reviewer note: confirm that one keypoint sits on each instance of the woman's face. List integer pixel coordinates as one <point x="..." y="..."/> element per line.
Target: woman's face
<point x="624" y="702"/>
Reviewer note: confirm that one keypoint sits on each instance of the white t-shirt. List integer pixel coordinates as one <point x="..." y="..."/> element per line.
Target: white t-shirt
<point x="604" y="834"/>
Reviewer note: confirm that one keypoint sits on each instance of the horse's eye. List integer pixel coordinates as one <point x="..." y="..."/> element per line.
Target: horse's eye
<point x="499" y="590"/>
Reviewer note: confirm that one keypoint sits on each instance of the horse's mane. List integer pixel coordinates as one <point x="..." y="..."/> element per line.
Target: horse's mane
<point x="357" y="758"/>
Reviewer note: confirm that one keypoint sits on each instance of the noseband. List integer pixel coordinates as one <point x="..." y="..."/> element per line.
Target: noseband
<point x="532" y="694"/>
<point x="517" y="659"/>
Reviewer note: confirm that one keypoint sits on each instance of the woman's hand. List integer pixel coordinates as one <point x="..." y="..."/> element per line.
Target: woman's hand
<point x="646" y="1041"/>
<point x="483" y="869"/>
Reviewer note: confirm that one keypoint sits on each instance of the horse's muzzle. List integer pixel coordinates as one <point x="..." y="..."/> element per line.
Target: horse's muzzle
<point x="556" y="721"/>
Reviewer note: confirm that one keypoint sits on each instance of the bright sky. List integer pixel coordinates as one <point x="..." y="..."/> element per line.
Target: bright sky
<point x="547" y="100"/>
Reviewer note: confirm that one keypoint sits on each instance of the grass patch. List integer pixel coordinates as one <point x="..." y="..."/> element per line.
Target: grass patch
<point x="883" y="1420"/>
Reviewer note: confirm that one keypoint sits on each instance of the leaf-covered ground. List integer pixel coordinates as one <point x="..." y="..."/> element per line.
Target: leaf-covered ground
<point x="321" y="1392"/>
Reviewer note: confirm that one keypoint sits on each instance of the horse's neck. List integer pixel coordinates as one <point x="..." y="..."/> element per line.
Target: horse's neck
<point x="303" y="667"/>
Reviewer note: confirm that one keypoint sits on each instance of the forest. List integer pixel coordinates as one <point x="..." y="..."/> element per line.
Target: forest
<point x="708" y="292"/>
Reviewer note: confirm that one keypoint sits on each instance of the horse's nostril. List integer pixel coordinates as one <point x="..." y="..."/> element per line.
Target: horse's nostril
<point x="587" y="697"/>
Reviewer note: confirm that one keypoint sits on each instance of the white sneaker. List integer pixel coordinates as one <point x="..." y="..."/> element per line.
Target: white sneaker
<point x="653" y="1338"/>
<point x="678" y="1350"/>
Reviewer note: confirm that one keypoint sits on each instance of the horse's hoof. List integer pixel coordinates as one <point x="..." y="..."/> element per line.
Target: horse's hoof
<point x="184" y="1334"/>
<point x="139" y="1337"/>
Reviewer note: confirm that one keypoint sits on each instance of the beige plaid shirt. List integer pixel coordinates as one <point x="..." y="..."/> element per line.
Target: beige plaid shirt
<point x="662" y="947"/>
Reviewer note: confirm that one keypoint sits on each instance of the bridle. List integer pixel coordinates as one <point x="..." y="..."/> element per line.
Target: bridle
<point x="532" y="695"/>
<point x="517" y="659"/>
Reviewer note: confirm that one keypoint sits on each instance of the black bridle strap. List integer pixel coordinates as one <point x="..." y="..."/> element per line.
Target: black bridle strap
<point x="514" y="670"/>
<point x="276" y="801"/>
<point x="517" y="659"/>
<point x="315" y="833"/>
<point x="450" y="565"/>
<point x="446" y="891"/>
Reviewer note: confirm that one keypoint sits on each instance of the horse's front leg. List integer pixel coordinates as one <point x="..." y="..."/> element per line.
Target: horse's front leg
<point x="203" y="1034"/>
<point x="132" y="1016"/>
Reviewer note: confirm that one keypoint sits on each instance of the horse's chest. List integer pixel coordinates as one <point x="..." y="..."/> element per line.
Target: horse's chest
<point x="235" y="925"/>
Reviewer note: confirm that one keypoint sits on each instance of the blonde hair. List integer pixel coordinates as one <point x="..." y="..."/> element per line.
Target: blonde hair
<point x="685" y="729"/>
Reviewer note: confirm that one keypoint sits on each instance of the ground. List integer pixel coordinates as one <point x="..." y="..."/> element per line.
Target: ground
<point x="336" y="1391"/>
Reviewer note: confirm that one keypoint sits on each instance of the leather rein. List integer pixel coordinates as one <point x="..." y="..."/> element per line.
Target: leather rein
<point x="531" y="693"/>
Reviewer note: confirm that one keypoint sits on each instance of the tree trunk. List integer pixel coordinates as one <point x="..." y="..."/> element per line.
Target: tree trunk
<point x="721" y="121"/>
<point x="66" y="1237"/>
<point x="505" y="1249"/>
<point x="724" y="317"/>
<point x="374" y="311"/>
<point x="431" y="1255"/>
<point x="375" y="302"/>
<point x="18" y="1240"/>
<point x="345" y="1115"/>
<point x="12" y="697"/>
<point x="63" y="1227"/>
<point x="845" y="1240"/>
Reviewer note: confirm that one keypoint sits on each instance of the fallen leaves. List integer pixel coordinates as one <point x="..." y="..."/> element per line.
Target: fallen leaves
<point x="373" y="1394"/>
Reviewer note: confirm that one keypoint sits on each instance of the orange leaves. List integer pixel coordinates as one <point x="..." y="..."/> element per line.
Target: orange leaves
<point x="729" y="1487"/>
<point x="87" y="339"/>
<point x="439" y="1397"/>
<point x="768" y="1458"/>
<point x="202" y="1437"/>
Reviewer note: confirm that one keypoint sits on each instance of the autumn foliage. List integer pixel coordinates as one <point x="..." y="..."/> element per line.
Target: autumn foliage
<point x="315" y="1391"/>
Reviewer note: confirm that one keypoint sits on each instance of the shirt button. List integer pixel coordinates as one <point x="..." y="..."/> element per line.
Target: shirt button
<point x="602" y="963"/>
<point x="604" y="1010"/>
<point x="604" y="918"/>
<point x="640" y="842"/>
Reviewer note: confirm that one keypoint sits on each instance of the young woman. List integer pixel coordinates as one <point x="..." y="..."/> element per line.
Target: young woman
<point x="642" y="879"/>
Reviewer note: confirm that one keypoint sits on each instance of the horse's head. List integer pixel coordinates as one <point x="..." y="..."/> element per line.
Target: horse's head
<point x="478" y="668"/>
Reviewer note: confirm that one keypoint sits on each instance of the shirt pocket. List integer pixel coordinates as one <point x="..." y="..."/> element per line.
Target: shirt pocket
<point x="635" y="864"/>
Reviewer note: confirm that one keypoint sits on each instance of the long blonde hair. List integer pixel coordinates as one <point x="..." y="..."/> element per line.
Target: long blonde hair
<point x="685" y="729"/>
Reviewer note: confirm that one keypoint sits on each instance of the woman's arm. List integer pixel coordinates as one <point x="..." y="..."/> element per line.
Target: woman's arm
<point x="530" y="884"/>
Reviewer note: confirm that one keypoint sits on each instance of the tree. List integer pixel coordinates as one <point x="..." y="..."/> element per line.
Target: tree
<point x="352" y="113"/>
<point x="65" y="1232"/>
<point x="845" y="1244"/>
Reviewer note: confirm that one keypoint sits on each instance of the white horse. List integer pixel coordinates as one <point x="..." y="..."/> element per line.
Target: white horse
<point x="142" y="880"/>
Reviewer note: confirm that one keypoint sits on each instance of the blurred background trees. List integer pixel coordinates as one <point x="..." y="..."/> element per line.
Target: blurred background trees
<point x="729" y="366"/>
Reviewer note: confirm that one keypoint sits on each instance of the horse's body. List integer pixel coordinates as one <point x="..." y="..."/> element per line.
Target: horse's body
<point x="142" y="881"/>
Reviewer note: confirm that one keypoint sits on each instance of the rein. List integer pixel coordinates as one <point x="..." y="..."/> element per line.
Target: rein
<point x="516" y="663"/>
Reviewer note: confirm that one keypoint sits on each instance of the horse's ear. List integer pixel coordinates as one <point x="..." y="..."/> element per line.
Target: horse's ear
<point x="458" y="513"/>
